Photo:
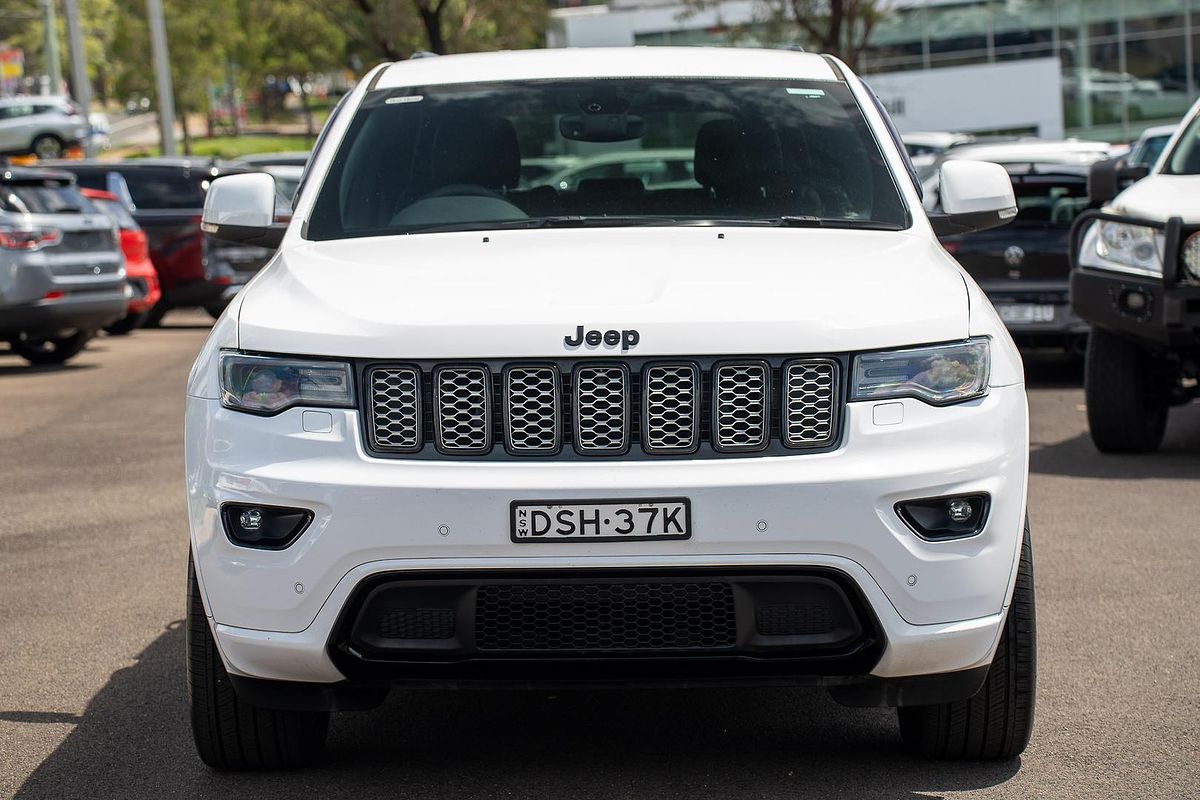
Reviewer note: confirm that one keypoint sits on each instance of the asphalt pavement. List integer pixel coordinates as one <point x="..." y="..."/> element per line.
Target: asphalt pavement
<point x="93" y="546"/>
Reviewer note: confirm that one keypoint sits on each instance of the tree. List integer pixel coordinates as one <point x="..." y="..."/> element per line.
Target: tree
<point x="395" y="29"/>
<point x="840" y="27"/>
<point x="282" y="38"/>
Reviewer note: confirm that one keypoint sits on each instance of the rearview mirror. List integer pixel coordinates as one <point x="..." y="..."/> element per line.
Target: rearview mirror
<point x="600" y="127"/>
<point x="975" y="196"/>
<point x="1108" y="178"/>
<point x="241" y="209"/>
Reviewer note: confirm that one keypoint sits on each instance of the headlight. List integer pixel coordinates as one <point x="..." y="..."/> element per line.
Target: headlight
<point x="264" y="385"/>
<point x="1121" y="247"/>
<point x="939" y="375"/>
<point x="1191" y="256"/>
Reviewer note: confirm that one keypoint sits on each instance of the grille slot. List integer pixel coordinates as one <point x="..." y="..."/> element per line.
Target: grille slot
<point x="602" y="404"/>
<point x="605" y="616"/>
<point x="671" y="408"/>
<point x="810" y="403"/>
<point x="532" y="409"/>
<point x="462" y="405"/>
<point x="741" y="406"/>
<point x="395" y="409"/>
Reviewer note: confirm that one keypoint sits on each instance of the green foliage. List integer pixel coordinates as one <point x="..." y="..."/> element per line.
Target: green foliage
<point x="229" y="147"/>
<point x="213" y="41"/>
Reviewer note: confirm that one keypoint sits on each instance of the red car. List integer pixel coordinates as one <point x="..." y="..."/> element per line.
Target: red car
<point x="139" y="270"/>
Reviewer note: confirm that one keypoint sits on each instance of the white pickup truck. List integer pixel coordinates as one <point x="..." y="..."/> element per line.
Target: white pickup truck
<point x="752" y="427"/>
<point x="1136" y="278"/>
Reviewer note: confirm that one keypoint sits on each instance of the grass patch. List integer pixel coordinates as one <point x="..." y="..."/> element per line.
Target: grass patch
<point x="228" y="147"/>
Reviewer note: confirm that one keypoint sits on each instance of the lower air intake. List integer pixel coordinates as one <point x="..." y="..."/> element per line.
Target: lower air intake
<point x="605" y="617"/>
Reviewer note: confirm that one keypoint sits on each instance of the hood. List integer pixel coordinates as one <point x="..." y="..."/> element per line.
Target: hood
<point x="686" y="291"/>
<point x="1160" y="197"/>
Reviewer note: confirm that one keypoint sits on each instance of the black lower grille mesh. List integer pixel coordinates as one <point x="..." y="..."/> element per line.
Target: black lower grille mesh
<point x="417" y="623"/>
<point x="795" y="619"/>
<point x="605" y="616"/>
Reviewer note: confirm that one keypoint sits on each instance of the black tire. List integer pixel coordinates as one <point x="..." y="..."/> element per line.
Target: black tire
<point x="215" y="310"/>
<point x="47" y="146"/>
<point x="997" y="721"/>
<point x="155" y="316"/>
<point x="231" y="734"/>
<point x="127" y="324"/>
<point x="53" y="350"/>
<point x="1126" y="393"/>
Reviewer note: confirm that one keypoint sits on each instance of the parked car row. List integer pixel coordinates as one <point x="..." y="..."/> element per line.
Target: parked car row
<point x="1103" y="258"/>
<point x="92" y="245"/>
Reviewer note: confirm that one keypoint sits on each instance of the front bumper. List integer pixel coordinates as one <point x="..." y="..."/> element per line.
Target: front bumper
<point x="939" y="606"/>
<point x="1170" y="317"/>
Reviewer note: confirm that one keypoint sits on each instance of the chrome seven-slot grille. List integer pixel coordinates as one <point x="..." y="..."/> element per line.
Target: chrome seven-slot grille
<point x="603" y="408"/>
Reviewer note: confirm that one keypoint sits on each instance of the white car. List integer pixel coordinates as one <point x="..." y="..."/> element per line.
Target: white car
<point x="44" y="125"/>
<point x="1136" y="279"/>
<point x="763" y="430"/>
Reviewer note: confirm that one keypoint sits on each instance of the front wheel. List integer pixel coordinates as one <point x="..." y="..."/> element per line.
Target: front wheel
<point x="47" y="147"/>
<point x="231" y="734"/>
<point x="1126" y="393"/>
<point x="997" y="721"/>
<point x="51" y="350"/>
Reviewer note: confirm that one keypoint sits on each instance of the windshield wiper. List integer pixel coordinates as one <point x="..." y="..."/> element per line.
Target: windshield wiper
<point x="598" y="221"/>
<point x="791" y="221"/>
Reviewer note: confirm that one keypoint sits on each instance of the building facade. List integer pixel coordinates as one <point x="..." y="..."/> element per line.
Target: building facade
<point x="1124" y="64"/>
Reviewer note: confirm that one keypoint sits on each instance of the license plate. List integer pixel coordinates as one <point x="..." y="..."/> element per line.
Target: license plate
<point x="1024" y="313"/>
<point x="601" y="520"/>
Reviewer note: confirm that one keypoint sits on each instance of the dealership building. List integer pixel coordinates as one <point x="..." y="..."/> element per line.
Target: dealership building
<point x="1101" y="69"/>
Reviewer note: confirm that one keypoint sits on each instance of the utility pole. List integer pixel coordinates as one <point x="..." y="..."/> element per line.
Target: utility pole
<point x="162" y="76"/>
<point x="79" y="76"/>
<point x="53" y="65"/>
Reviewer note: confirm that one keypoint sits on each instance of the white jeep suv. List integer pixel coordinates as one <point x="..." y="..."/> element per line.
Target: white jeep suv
<point x="755" y="427"/>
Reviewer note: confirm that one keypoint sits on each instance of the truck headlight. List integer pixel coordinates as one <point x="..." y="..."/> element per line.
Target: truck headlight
<point x="943" y="374"/>
<point x="266" y="385"/>
<point x="1122" y="247"/>
<point x="1191" y="256"/>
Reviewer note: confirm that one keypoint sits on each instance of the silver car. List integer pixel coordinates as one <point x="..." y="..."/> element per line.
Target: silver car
<point x="44" y="125"/>
<point x="62" y="274"/>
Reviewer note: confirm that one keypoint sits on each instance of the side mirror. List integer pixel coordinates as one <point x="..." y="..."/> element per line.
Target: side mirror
<point x="241" y="209"/>
<point x="1108" y="178"/>
<point x="975" y="196"/>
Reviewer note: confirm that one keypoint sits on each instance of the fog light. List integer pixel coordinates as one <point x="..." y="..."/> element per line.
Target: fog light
<point x="264" y="527"/>
<point x="1134" y="303"/>
<point x="251" y="519"/>
<point x="940" y="518"/>
<point x="959" y="510"/>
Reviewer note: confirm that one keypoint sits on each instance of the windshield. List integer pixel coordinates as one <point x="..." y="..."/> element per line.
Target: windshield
<point x="1185" y="158"/>
<point x="43" y="198"/>
<point x="1049" y="200"/>
<point x="651" y="152"/>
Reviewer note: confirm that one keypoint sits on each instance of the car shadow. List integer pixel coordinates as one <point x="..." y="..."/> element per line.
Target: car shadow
<point x="1176" y="459"/>
<point x="133" y="741"/>
<point x="20" y="366"/>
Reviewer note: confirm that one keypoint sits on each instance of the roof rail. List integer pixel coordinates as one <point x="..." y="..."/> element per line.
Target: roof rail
<point x="423" y="54"/>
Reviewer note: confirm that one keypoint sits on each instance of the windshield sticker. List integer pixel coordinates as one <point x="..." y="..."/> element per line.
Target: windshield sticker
<point x="805" y="92"/>
<point x="412" y="98"/>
